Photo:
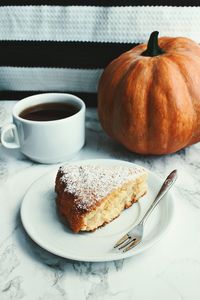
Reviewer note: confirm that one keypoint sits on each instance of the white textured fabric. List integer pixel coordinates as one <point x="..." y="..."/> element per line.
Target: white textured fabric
<point x="97" y="24"/>
<point x="128" y="24"/>
<point x="49" y="79"/>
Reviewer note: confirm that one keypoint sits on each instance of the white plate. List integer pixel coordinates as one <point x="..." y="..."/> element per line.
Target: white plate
<point x="40" y="219"/>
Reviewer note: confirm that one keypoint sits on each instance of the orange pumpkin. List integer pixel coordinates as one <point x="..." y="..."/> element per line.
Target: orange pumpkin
<point x="149" y="97"/>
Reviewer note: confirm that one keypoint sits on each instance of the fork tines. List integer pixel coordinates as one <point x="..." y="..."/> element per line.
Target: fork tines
<point x="131" y="244"/>
<point x="126" y="243"/>
<point x="125" y="238"/>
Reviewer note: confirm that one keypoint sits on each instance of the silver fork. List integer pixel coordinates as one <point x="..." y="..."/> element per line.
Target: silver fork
<point x="134" y="236"/>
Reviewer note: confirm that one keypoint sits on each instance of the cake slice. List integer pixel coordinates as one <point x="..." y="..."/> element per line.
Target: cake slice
<point x="90" y="196"/>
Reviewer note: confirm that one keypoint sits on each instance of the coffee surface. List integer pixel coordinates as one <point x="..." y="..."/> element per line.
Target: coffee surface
<point x="49" y="111"/>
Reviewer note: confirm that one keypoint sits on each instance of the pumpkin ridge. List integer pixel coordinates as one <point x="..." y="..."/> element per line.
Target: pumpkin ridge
<point x="143" y="133"/>
<point x="148" y="122"/>
<point x="161" y="129"/>
<point x="123" y="97"/>
<point x="105" y="85"/>
<point x="115" y="94"/>
<point x="191" y="93"/>
<point x="164" y="41"/>
<point x="150" y="98"/>
<point x="183" y="79"/>
<point x="167" y="43"/>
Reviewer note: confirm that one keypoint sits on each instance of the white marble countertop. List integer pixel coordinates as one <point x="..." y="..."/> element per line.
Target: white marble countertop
<point x="169" y="270"/>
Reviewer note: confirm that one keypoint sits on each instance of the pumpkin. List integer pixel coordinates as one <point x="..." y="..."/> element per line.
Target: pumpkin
<point x="149" y="97"/>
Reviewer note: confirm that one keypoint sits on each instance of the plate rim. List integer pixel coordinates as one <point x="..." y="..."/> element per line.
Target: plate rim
<point x="108" y="257"/>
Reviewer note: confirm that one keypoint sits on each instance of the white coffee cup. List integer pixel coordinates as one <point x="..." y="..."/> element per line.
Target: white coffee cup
<point x="47" y="141"/>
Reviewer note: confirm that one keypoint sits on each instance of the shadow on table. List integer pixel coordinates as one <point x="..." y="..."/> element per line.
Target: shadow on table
<point x="30" y="248"/>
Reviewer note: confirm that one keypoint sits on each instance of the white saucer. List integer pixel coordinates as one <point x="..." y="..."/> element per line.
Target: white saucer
<point x="40" y="219"/>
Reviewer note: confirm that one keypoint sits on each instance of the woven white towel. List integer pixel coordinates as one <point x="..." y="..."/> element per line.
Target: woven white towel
<point x="24" y="27"/>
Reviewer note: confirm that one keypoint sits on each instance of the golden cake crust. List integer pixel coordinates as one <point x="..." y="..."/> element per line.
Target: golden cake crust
<point x="66" y="206"/>
<point x="83" y="189"/>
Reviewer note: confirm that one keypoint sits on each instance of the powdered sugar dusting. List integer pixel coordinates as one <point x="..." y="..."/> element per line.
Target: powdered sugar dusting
<point x="91" y="183"/>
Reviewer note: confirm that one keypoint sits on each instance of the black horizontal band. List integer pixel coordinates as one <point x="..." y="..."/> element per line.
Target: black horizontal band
<point x="90" y="99"/>
<point x="85" y="55"/>
<point x="101" y="2"/>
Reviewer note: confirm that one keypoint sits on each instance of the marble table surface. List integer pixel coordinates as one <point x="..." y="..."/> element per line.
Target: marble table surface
<point x="169" y="270"/>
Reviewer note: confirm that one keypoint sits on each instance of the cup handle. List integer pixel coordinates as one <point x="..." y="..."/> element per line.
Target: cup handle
<point x="14" y="144"/>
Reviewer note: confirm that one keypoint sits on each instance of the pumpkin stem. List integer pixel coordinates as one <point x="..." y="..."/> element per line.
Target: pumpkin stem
<point x="152" y="47"/>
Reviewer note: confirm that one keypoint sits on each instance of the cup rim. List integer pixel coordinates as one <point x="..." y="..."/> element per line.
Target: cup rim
<point x="26" y="99"/>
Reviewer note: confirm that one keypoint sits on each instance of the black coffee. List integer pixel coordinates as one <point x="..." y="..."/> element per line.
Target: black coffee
<point x="49" y="111"/>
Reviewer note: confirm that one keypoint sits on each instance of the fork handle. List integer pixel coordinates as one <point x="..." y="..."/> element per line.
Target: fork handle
<point x="169" y="181"/>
